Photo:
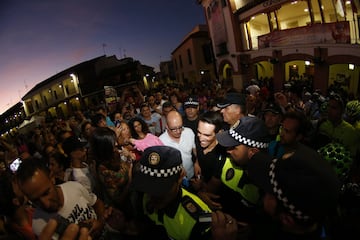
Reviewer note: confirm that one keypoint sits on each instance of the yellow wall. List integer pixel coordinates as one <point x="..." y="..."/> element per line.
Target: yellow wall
<point x="351" y="76"/>
<point x="265" y="69"/>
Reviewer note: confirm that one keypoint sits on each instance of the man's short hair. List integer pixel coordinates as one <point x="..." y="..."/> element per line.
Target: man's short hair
<point x="301" y="118"/>
<point x="167" y="104"/>
<point x="213" y="117"/>
<point x="96" y="118"/>
<point x="28" y="168"/>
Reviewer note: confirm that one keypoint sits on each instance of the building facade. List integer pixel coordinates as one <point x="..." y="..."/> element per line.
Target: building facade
<point x="193" y="59"/>
<point x="81" y="87"/>
<point x="286" y="40"/>
<point x="167" y="72"/>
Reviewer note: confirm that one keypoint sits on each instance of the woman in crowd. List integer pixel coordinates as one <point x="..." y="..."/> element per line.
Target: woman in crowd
<point x="129" y="152"/>
<point x="58" y="163"/>
<point x="86" y="131"/>
<point x="141" y="136"/>
<point x="176" y="101"/>
<point x="114" y="174"/>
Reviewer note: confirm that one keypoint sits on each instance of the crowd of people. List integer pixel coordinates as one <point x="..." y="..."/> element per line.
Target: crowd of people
<point x="201" y="163"/>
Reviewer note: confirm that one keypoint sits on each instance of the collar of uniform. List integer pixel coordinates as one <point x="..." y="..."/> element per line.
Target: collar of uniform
<point x="171" y="209"/>
<point x="235" y="124"/>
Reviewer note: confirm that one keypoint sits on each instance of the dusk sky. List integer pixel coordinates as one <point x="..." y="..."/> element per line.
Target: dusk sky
<point x="39" y="38"/>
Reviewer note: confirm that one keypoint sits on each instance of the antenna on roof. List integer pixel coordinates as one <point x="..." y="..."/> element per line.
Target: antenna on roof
<point x="103" y="46"/>
<point x="26" y="86"/>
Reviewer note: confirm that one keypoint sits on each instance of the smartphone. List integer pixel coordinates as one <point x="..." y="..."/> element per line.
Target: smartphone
<point x="205" y="217"/>
<point x="117" y="123"/>
<point x="14" y="165"/>
<point x="62" y="224"/>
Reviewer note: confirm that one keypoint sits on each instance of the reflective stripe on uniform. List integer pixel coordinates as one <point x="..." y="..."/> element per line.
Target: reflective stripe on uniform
<point x="236" y="179"/>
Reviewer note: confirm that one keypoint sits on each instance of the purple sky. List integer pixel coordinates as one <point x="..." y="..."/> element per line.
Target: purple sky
<point x="39" y="38"/>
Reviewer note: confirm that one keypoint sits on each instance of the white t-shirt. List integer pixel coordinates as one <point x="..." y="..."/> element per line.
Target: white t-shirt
<point x="78" y="202"/>
<point x="81" y="175"/>
<point x="155" y="118"/>
<point x="185" y="146"/>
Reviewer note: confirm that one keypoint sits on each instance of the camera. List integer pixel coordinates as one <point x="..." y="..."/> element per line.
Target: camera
<point x="14" y="165"/>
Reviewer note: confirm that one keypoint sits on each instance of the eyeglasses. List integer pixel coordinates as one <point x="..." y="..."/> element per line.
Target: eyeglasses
<point x="176" y="129"/>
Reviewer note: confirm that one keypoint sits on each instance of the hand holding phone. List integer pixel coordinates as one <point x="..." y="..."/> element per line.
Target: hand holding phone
<point x="72" y="232"/>
<point x="62" y="224"/>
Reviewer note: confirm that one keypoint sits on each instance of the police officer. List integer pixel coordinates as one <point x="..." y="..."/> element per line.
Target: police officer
<point x="233" y="108"/>
<point x="238" y="195"/>
<point x="158" y="177"/>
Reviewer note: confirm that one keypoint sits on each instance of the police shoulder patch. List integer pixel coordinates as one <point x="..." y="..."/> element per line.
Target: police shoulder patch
<point x="229" y="174"/>
<point x="191" y="206"/>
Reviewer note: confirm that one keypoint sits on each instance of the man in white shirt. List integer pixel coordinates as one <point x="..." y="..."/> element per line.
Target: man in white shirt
<point x="79" y="169"/>
<point x="183" y="139"/>
<point x="70" y="201"/>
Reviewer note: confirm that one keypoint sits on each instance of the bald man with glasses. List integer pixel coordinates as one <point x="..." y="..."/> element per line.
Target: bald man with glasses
<point x="183" y="139"/>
